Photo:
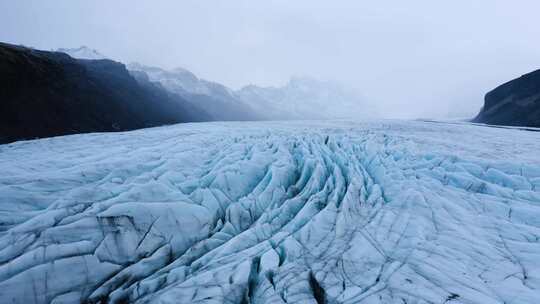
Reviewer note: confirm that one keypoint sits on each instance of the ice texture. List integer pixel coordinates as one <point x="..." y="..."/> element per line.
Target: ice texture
<point x="270" y="212"/>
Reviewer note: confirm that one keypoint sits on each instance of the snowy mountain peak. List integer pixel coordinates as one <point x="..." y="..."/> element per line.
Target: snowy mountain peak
<point x="83" y="52"/>
<point x="306" y="98"/>
<point x="178" y="80"/>
<point x="301" y="97"/>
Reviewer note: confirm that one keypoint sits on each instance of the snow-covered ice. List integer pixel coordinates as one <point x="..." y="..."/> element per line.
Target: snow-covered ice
<point x="270" y="212"/>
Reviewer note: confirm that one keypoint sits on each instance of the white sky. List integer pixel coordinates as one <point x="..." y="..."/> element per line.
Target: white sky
<point x="415" y="58"/>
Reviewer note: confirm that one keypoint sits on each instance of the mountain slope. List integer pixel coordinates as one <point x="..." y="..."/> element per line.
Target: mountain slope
<point x="515" y="103"/>
<point x="289" y="212"/>
<point x="215" y="98"/>
<point x="49" y="93"/>
<point x="300" y="98"/>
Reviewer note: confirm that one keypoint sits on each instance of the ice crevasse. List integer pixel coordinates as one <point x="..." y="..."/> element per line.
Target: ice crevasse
<point x="269" y="212"/>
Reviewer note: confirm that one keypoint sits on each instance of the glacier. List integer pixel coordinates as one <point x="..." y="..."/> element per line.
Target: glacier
<point x="273" y="212"/>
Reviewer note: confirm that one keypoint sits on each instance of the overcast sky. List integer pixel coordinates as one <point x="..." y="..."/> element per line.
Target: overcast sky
<point x="416" y="58"/>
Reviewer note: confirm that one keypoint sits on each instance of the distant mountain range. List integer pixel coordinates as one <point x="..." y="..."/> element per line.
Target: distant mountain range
<point x="83" y="52"/>
<point x="300" y="98"/>
<point x="79" y="90"/>
<point x="515" y="103"/>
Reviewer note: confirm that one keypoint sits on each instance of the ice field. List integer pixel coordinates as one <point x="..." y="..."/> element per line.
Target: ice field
<point x="272" y="212"/>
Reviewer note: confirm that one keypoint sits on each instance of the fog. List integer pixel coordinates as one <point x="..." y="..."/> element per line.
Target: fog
<point x="411" y="58"/>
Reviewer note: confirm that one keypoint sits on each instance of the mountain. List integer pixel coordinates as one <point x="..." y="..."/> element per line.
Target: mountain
<point x="515" y="103"/>
<point x="83" y="52"/>
<point x="218" y="100"/>
<point x="301" y="98"/>
<point x="179" y="80"/>
<point x="305" y="98"/>
<point x="79" y="90"/>
<point x="50" y="93"/>
<point x="273" y="212"/>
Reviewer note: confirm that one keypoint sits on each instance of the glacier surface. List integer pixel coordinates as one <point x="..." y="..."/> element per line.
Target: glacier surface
<point x="270" y="212"/>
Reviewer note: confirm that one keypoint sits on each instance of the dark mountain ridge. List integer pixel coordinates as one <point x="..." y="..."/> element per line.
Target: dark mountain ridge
<point x="50" y="93"/>
<point x="515" y="103"/>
